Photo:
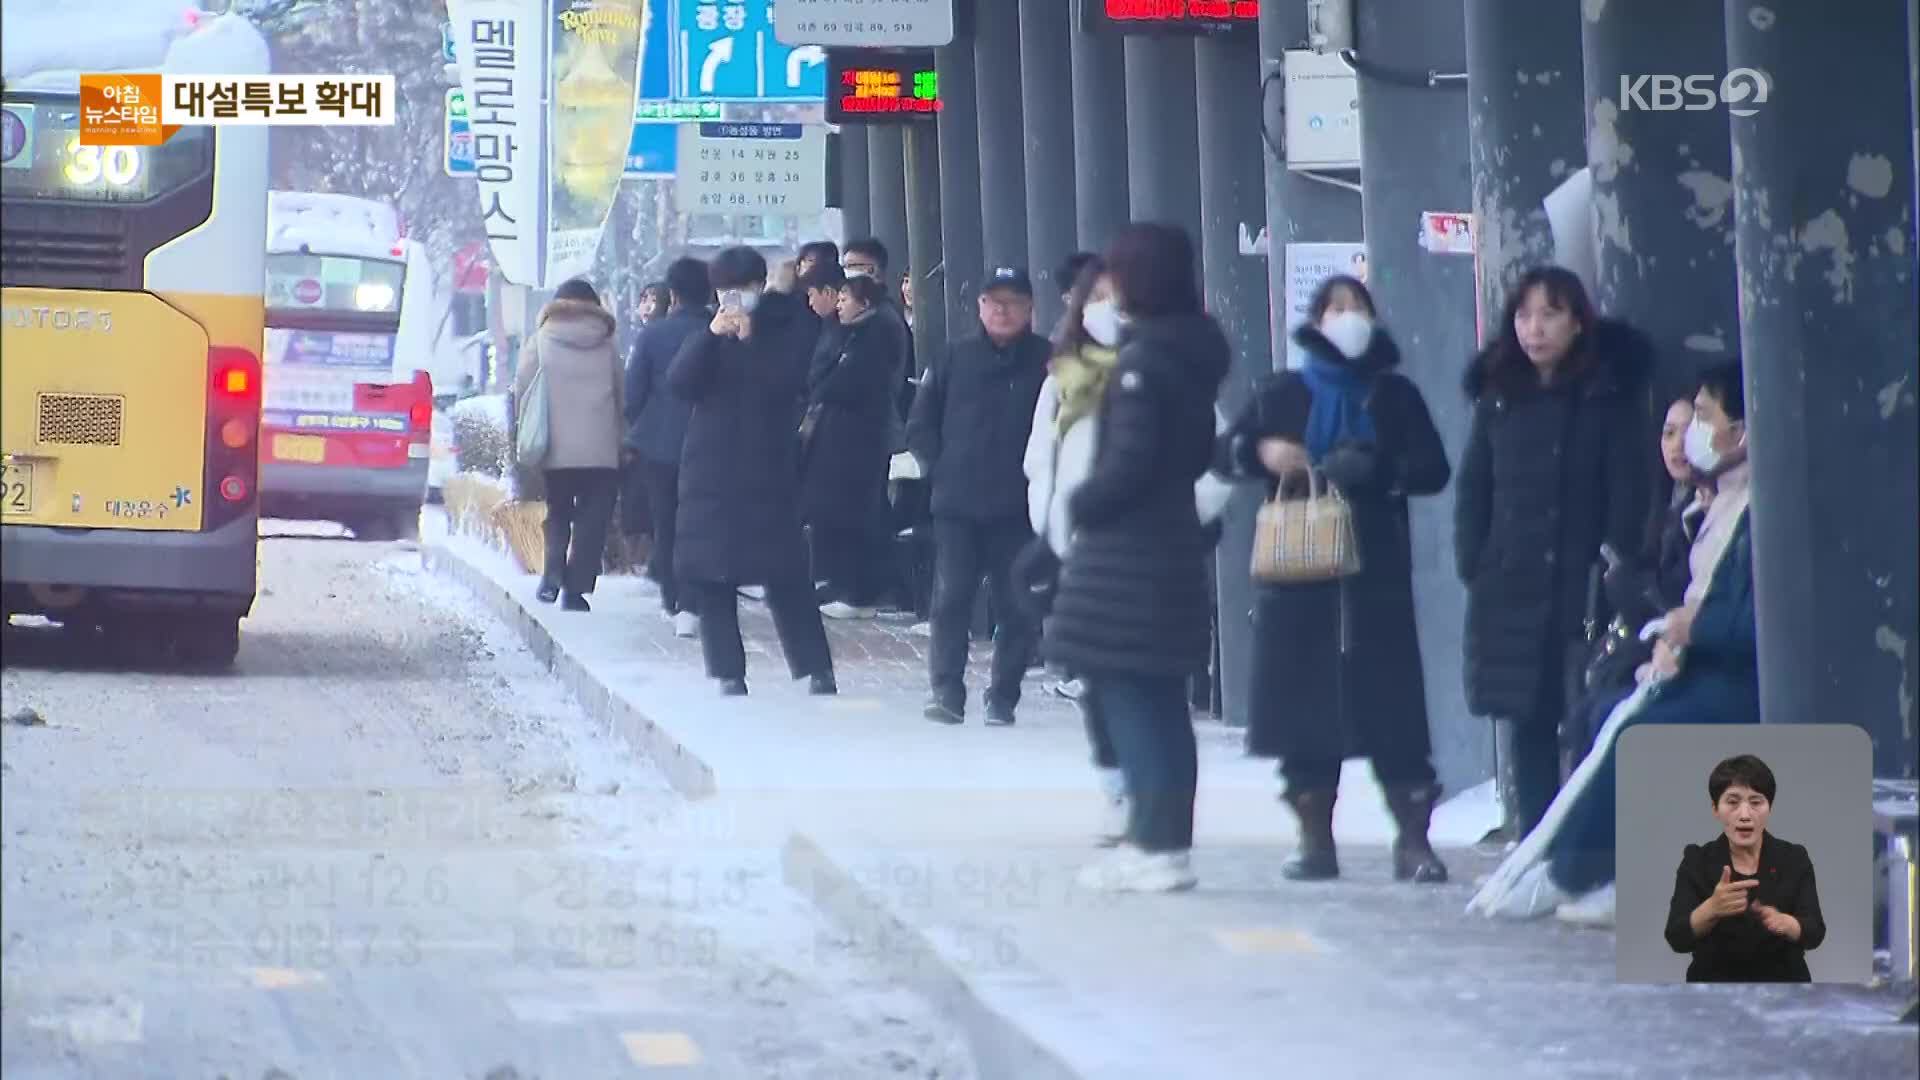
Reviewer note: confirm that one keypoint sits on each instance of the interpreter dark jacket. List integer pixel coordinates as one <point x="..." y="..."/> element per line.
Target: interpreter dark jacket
<point x="656" y="417"/>
<point x="970" y="421"/>
<point x="1740" y="948"/>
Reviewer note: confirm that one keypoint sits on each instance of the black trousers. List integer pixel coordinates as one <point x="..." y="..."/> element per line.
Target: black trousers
<point x="662" y="484"/>
<point x="636" y="501"/>
<point x="1151" y="731"/>
<point x="579" y="509"/>
<point x="852" y="561"/>
<point x="796" y="618"/>
<point x="964" y="552"/>
<point x="1528" y="747"/>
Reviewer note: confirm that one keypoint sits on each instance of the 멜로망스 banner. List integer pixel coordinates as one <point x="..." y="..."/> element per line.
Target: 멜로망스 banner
<point x="542" y="78"/>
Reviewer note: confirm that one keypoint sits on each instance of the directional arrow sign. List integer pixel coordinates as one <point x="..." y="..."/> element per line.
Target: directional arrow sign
<point x="728" y="52"/>
<point x="718" y="53"/>
<point x="806" y="56"/>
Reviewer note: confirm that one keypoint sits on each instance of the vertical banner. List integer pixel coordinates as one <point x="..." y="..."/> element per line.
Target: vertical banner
<point x="594" y="74"/>
<point x="502" y="52"/>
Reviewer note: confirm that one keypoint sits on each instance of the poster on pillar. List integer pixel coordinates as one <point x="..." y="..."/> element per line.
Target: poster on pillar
<point x="1307" y="266"/>
<point x="551" y="89"/>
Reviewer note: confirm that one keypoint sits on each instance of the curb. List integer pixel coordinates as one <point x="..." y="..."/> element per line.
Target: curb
<point x="999" y="1045"/>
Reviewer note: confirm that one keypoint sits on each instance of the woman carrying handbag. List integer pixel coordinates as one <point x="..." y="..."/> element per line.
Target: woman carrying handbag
<point x="1341" y="445"/>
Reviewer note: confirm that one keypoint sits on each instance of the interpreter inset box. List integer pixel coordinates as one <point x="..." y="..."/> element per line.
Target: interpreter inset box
<point x="1744" y="854"/>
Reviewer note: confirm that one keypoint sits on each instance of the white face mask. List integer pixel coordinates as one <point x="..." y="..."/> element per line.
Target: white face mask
<point x="1699" y="445"/>
<point x="1103" y="322"/>
<point x="748" y="299"/>
<point x="856" y="271"/>
<point x="1349" y="331"/>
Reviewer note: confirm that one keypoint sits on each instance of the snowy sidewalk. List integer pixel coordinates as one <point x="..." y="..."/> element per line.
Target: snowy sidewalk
<point x="949" y="855"/>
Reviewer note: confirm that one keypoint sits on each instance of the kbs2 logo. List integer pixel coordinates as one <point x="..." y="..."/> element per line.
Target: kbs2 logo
<point x="1742" y="91"/>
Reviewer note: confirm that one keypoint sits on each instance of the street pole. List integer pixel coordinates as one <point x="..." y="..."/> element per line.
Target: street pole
<point x="1003" y="185"/>
<point x="1232" y="205"/>
<point x="923" y="240"/>
<point x="1046" y="98"/>
<point x="856" y="202"/>
<point x="1526" y="98"/>
<point x="1099" y="138"/>
<point x="1163" y="133"/>
<point x="963" y="254"/>
<point x="1414" y="158"/>
<point x="1825" y="247"/>
<point x="887" y="192"/>
<point x="1662" y="191"/>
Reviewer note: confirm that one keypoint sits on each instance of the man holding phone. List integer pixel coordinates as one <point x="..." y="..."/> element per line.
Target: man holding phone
<point x="739" y="520"/>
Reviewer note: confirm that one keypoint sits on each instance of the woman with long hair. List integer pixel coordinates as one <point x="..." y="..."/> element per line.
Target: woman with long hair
<point x="1554" y="467"/>
<point x="1336" y="667"/>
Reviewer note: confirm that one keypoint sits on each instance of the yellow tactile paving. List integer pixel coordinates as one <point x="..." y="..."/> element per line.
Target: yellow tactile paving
<point x="284" y="978"/>
<point x="661" y="1049"/>
<point x="1267" y="939"/>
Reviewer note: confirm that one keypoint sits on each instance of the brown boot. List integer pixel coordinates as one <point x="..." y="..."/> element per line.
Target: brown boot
<point x="1413" y="856"/>
<point x="1315" y="860"/>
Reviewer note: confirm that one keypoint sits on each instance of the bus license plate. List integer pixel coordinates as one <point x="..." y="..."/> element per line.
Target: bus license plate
<point x="311" y="449"/>
<point x="16" y="497"/>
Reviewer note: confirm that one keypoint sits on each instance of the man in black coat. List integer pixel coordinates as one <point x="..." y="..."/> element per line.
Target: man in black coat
<point x="738" y="521"/>
<point x="969" y="431"/>
<point x="657" y="423"/>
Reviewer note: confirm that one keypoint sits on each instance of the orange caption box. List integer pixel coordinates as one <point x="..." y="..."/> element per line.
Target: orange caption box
<point x="122" y="110"/>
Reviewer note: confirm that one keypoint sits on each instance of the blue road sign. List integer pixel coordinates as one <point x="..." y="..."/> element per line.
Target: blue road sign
<point x="654" y="152"/>
<point x="459" y="136"/>
<point x="656" y="64"/>
<point x="446" y="44"/>
<point x="727" y="52"/>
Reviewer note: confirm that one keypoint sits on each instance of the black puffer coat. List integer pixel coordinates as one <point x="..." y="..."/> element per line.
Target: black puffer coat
<point x="1133" y="594"/>
<point x="1336" y="665"/>
<point x="844" y="462"/>
<point x="739" y="469"/>
<point x="1547" y="476"/>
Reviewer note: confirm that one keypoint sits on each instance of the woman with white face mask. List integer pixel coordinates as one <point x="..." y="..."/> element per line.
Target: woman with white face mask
<point x="1336" y="668"/>
<point x="1060" y="453"/>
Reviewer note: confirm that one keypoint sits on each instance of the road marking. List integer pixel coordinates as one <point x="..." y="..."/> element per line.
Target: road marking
<point x="284" y="978"/>
<point x="661" y="1049"/>
<point x="119" y="1020"/>
<point x="856" y="704"/>
<point x="1267" y="939"/>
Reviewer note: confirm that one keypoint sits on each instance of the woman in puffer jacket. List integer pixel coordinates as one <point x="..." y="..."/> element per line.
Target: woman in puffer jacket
<point x="1060" y="453"/>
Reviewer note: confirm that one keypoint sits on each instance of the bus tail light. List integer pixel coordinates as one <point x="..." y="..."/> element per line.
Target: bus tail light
<point x="421" y="414"/>
<point x="236" y="433"/>
<point x="232" y="434"/>
<point x="234" y="489"/>
<point x="235" y="381"/>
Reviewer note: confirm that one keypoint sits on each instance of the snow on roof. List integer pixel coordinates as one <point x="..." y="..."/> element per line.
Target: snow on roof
<point x="42" y="50"/>
<point x="335" y="224"/>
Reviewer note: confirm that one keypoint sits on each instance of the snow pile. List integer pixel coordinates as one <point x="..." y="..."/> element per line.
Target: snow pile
<point x="48" y="43"/>
<point x="334" y="223"/>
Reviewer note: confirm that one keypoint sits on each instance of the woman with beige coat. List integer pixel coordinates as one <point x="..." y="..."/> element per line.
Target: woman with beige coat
<point x="575" y="345"/>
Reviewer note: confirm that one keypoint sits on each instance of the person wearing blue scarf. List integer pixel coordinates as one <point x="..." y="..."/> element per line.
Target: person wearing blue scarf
<point x="1336" y="670"/>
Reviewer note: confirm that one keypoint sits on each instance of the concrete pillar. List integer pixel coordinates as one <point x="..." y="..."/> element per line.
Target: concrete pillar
<point x="1046" y="102"/>
<point x="1825" y="246"/>
<point x="1233" y="203"/>
<point x="1003" y="182"/>
<point x="923" y="241"/>
<point x="1662" y="194"/>
<point x="963" y="253"/>
<point x="887" y="190"/>
<point x="1526" y="97"/>
<point x="1163" y="133"/>
<point x="856" y="209"/>
<point x="1099" y="138"/>
<point x="1296" y="209"/>
<point x="1414" y="149"/>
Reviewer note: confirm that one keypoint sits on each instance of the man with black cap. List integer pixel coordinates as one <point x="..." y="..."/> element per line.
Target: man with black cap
<point x="969" y="431"/>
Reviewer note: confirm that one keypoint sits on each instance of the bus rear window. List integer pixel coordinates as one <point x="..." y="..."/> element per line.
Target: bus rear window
<point x="41" y="157"/>
<point x="303" y="282"/>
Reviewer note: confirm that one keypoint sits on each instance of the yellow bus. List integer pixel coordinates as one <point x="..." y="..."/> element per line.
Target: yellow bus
<point x="132" y="280"/>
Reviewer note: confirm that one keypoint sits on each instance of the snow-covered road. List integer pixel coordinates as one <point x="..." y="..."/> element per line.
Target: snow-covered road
<point x="390" y="846"/>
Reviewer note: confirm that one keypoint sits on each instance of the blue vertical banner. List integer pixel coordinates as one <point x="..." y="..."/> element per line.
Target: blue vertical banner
<point x="726" y="51"/>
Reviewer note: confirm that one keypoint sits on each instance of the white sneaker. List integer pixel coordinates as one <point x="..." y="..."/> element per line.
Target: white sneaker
<point x="1593" y="908"/>
<point x="686" y="625"/>
<point x="753" y="592"/>
<point x="842" y="610"/>
<point x="1071" y="689"/>
<point x="1532" y="897"/>
<point x="1128" y="869"/>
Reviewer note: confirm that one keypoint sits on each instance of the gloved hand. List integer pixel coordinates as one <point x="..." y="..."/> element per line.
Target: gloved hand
<point x="1350" y="465"/>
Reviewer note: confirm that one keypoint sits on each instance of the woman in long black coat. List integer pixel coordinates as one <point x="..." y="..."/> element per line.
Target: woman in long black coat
<point x="1557" y="462"/>
<point x="1336" y="670"/>
<point x="847" y="442"/>
<point x="739" y="523"/>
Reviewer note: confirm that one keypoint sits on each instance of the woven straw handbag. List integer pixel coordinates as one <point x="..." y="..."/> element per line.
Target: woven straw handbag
<point x="1303" y="540"/>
